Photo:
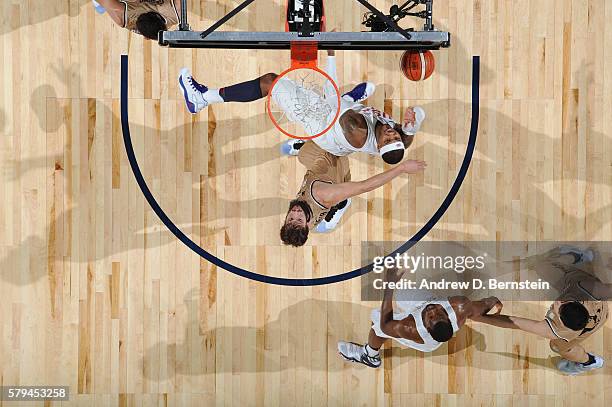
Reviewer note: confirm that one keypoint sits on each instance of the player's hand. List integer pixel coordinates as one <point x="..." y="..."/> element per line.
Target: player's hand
<point x="412" y="166"/>
<point x="495" y="306"/>
<point x="409" y="117"/>
<point x="394" y="275"/>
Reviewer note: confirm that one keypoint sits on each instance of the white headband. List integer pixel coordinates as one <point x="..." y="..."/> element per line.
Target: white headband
<point x="397" y="145"/>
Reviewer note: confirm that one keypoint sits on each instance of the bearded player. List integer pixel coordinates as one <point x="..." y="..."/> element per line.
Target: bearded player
<point x="421" y="325"/>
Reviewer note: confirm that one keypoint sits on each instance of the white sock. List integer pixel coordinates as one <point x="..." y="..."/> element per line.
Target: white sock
<point x="213" y="96"/>
<point x="371" y="352"/>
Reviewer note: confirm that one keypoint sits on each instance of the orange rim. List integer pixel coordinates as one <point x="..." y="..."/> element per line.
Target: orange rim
<point x="268" y="104"/>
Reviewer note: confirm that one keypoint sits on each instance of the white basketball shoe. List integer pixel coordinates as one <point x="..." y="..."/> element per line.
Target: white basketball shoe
<point x="575" y="368"/>
<point x="193" y="92"/>
<point x="333" y="217"/>
<point x="580" y="255"/>
<point x="354" y="352"/>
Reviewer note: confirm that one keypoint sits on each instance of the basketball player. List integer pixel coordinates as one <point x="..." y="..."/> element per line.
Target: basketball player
<point x="145" y="17"/>
<point x="420" y="325"/>
<point x="326" y="190"/>
<point x="362" y="128"/>
<point x="580" y="310"/>
<point x="358" y="128"/>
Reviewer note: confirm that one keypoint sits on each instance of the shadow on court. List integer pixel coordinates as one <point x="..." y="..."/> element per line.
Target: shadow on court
<point x="38" y="257"/>
<point x="292" y="340"/>
<point x="217" y="133"/>
<point x="550" y="362"/>
<point x="495" y="124"/>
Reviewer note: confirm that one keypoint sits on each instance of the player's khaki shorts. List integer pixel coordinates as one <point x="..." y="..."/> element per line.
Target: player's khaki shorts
<point x="322" y="163"/>
<point x="573" y="350"/>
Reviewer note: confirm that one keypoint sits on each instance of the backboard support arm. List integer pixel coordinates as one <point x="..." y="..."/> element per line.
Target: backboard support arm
<point x="184" y="24"/>
<point x="386" y="19"/>
<point x="226" y="17"/>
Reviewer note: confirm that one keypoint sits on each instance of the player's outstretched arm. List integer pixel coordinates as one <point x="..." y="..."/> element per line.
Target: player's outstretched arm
<point x="483" y="307"/>
<point x="540" y="328"/>
<point x="468" y="309"/>
<point x="331" y="194"/>
<point x="390" y="326"/>
<point x="329" y="90"/>
<point x="387" y="324"/>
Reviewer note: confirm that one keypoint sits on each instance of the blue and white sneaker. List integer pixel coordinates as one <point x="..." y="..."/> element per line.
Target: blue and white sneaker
<point x="292" y="147"/>
<point x="360" y="92"/>
<point x="580" y="255"/>
<point x="575" y="368"/>
<point x="333" y="217"/>
<point x="193" y="92"/>
<point x="98" y="7"/>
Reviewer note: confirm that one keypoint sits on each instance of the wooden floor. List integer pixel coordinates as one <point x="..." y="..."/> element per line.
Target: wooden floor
<point x="98" y="295"/>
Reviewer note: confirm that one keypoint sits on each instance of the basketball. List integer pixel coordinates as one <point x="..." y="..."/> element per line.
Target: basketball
<point x="417" y="65"/>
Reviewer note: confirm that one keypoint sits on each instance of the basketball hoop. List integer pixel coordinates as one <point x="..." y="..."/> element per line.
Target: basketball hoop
<point x="304" y="101"/>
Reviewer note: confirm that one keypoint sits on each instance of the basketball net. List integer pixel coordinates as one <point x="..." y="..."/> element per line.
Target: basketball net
<point x="304" y="101"/>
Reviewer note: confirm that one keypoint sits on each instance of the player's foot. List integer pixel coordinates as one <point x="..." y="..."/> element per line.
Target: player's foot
<point x="193" y="92"/>
<point x="353" y="352"/>
<point x="333" y="217"/>
<point x="98" y="7"/>
<point x="360" y="92"/>
<point x="292" y="147"/>
<point x="580" y="255"/>
<point x="419" y="115"/>
<point x="575" y="368"/>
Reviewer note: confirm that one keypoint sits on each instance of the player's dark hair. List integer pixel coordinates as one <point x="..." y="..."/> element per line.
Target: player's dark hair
<point x="442" y="331"/>
<point x="574" y="315"/>
<point x="150" y="24"/>
<point x="293" y="235"/>
<point x="393" y="157"/>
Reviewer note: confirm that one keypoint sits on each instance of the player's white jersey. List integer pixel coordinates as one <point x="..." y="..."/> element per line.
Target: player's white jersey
<point x="415" y="308"/>
<point x="335" y="142"/>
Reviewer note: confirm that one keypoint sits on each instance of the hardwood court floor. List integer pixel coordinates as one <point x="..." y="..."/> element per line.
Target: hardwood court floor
<point x="98" y="295"/>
